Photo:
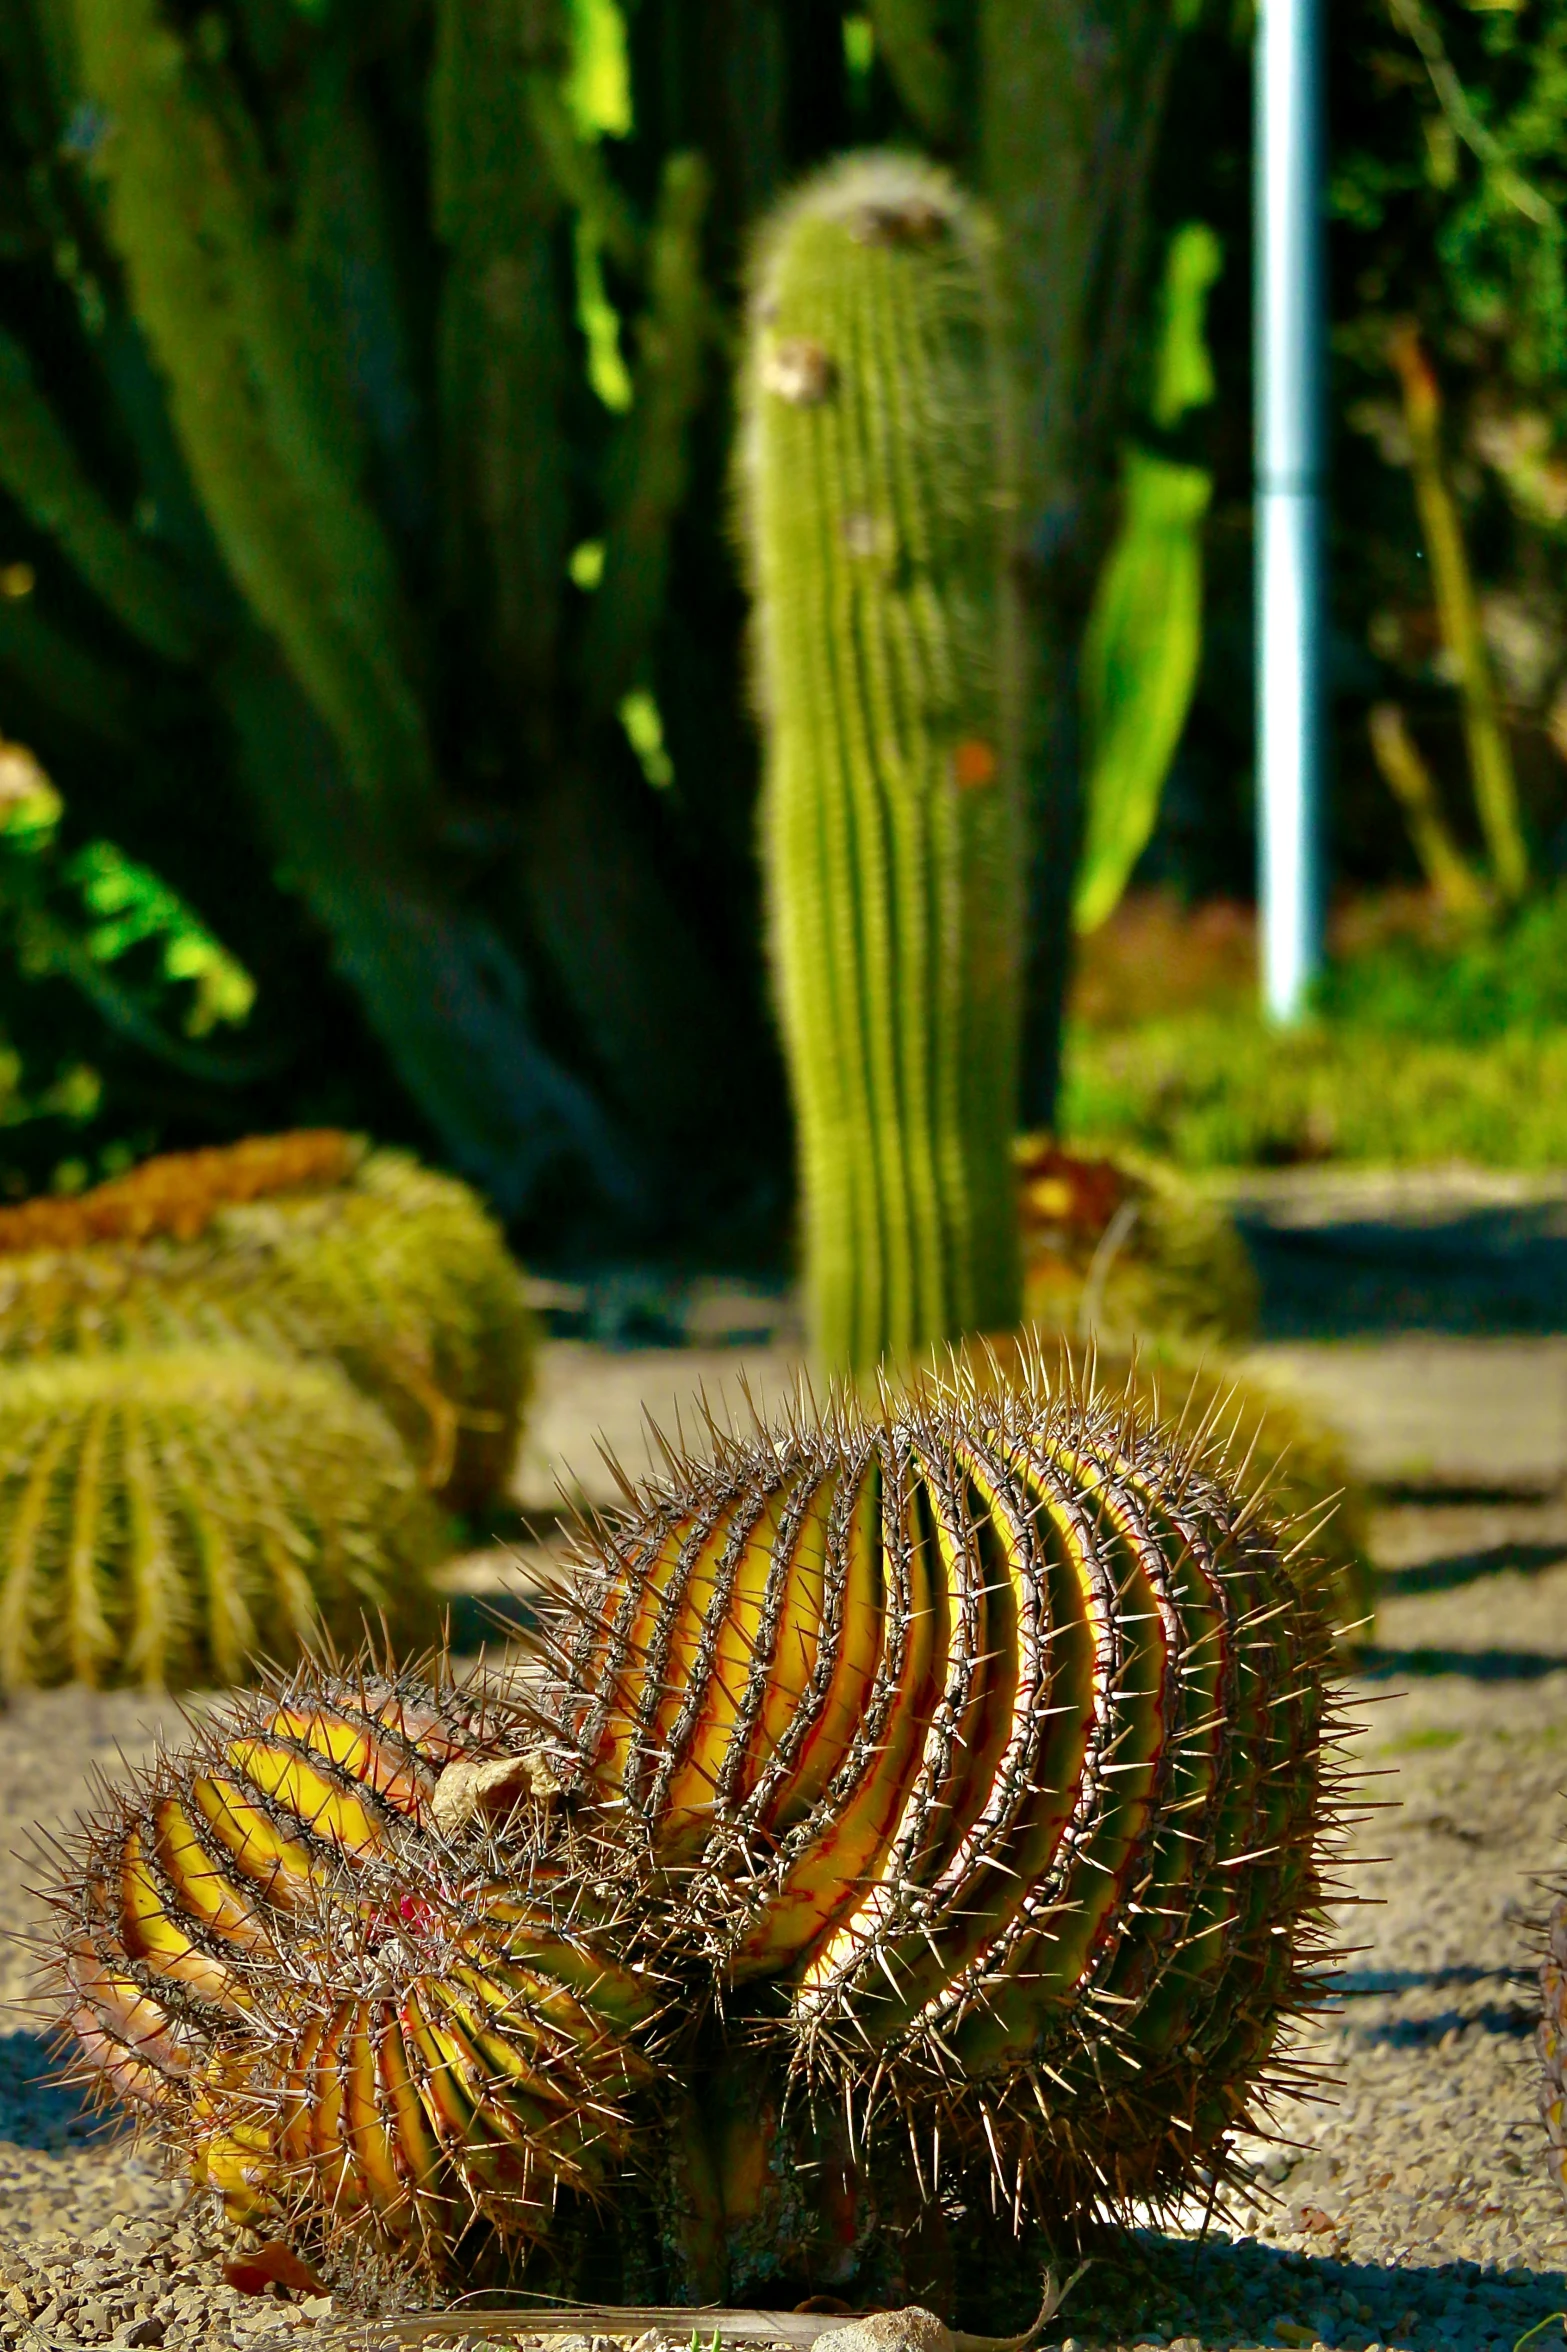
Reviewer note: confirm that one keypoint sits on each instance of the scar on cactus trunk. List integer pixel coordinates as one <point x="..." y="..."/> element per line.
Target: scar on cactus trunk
<point x="875" y="483"/>
<point x="906" y="1814"/>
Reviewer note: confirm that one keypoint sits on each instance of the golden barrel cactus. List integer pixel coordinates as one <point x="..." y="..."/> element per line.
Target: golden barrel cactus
<point x="907" y="1806"/>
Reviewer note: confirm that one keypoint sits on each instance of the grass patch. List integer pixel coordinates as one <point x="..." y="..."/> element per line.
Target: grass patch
<point x="1221" y="1090"/>
<point x="1428" y="1043"/>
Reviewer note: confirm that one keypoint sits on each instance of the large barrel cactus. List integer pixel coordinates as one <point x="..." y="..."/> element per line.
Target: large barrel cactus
<point x="307" y="1245"/>
<point x="908" y="1809"/>
<point x="167" y="1515"/>
<point x="875" y="492"/>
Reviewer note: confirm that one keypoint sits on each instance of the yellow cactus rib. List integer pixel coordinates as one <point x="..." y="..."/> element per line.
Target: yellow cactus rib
<point x="353" y="1748"/>
<point x="680" y="1790"/>
<point x="89" y="1636"/>
<point x="150" y="1927"/>
<point x="19" y="1598"/>
<point x="632" y="1667"/>
<point x="378" y="2174"/>
<point x="333" y="1814"/>
<point x="418" y="2154"/>
<point x="130" y="2037"/>
<point x="837" y="1571"/>
<point x="200" y="1887"/>
<point x="714" y="1701"/>
<point x="283" y="1867"/>
<point x="835" y="1852"/>
<point x="788" y="1758"/>
<point x="327" y="2141"/>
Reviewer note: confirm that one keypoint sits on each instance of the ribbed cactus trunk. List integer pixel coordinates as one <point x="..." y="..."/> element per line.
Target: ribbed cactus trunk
<point x="876" y="489"/>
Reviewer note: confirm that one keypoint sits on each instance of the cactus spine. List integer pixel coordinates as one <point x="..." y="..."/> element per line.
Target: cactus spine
<point x="875" y="486"/>
<point x="956" y="1773"/>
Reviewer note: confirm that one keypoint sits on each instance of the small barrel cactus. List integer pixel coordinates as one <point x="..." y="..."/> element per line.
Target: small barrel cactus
<point x="165" y="1516"/>
<point x="1120" y="1248"/>
<point x="875" y="486"/>
<point x="911" y="1806"/>
<point x="308" y="1245"/>
<point x="438" y="2045"/>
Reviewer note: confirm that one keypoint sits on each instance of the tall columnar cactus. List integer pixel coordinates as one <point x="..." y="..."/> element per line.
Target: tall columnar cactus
<point x="913" y="1807"/>
<point x="876" y="490"/>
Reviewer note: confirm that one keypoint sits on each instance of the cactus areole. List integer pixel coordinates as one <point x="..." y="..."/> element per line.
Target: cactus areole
<point x="905" y="1814"/>
<point x="874" y="492"/>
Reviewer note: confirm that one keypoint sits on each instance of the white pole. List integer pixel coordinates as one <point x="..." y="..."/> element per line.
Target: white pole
<point x="1289" y="369"/>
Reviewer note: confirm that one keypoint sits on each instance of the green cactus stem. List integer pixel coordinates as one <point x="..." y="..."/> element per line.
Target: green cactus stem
<point x="876" y="487"/>
<point x="503" y="358"/>
<point x="272" y="453"/>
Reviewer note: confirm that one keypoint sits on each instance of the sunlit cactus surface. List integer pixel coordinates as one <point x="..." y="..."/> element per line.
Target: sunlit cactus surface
<point x="904" y="1813"/>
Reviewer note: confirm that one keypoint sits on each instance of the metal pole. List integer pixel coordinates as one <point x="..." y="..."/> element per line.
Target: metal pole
<point x="1289" y="370"/>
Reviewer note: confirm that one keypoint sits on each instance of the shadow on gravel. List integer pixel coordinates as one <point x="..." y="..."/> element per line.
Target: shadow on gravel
<point x="1231" y="2294"/>
<point x="1511" y="2019"/>
<point x="37" y="2109"/>
<point x="1363" y="1984"/>
<point x="1374" y="1664"/>
<point x="1487" y="1269"/>
<point x="1460" y="1568"/>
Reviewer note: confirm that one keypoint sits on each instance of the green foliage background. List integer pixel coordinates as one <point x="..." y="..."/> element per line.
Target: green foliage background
<point x="365" y="418"/>
<point x="366" y="580"/>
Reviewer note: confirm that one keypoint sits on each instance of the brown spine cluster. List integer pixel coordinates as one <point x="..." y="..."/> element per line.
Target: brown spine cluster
<point x="179" y="1193"/>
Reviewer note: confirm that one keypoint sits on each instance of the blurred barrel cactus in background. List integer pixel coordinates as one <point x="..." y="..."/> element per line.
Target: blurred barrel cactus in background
<point x="233" y="1387"/>
<point x="308" y="1245"/>
<point x="876" y="492"/>
<point x="169" y="1515"/>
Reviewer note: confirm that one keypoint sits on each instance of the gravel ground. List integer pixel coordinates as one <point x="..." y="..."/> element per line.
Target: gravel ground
<point x="1408" y="2208"/>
